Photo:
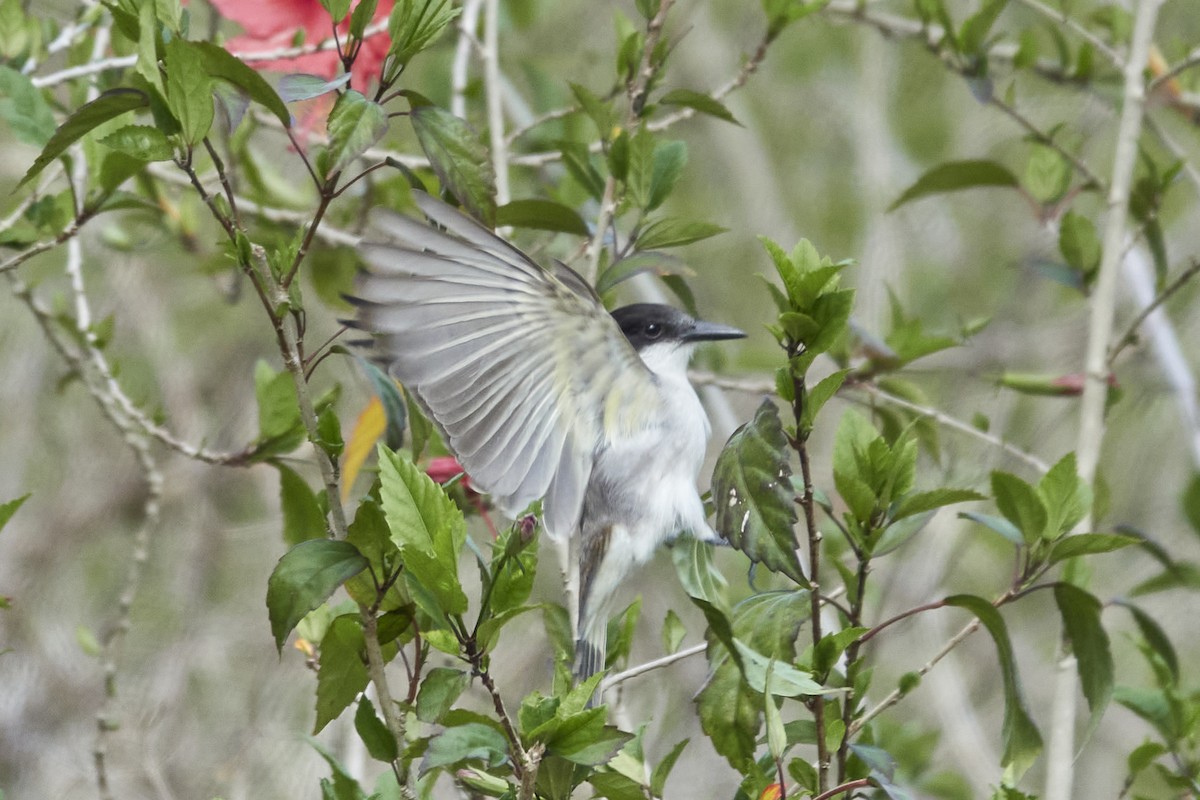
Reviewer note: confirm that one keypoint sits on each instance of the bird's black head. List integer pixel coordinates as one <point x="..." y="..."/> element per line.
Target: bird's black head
<point x="645" y="324"/>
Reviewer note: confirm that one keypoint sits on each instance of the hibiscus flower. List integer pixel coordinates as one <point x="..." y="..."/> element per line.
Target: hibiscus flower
<point x="273" y="24"/>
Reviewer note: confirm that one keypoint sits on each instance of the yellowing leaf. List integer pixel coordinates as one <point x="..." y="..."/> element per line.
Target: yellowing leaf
<point x="368" y="429"/>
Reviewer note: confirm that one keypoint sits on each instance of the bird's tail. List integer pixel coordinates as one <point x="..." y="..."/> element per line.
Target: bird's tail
<point x="590" y="648"/>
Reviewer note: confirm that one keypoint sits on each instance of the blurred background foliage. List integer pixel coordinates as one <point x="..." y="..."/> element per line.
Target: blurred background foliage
<point x="838" y="121"/>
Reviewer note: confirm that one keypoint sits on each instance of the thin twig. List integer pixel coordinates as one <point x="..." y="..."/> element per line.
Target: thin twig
<point x="1060" y="17"/>
<point x="860" y="783"/>
<point x="1130" y="334"/>
<point x="460" y="67"/>
<point x="650" y="666"/>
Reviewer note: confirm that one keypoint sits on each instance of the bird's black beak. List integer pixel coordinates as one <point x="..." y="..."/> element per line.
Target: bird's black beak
<point x="711" y="332"/>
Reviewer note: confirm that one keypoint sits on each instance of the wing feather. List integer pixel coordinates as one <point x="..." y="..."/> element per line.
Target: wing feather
<point x="514" y="364"/>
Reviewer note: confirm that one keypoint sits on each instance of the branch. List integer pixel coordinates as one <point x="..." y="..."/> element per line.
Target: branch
<point x="861" y="783"/>
<point x="494" y="91"/>
<point x="650" y="666"/>
<point x="459" y="74"/>
<point x="1130" y="334"/>
<point x="1054" y="15"/>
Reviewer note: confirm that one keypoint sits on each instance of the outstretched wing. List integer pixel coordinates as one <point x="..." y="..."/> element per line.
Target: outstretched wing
<point x="517" y="368"/>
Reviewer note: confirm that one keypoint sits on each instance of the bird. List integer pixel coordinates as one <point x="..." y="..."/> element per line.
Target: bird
<point x="541" y="393"/>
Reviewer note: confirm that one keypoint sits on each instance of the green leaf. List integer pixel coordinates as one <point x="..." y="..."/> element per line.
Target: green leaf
<point x="700" y="578"/>
<point x="752" y="492"/>
<point x="1089" y="642"/>
<point x="820" y="394"/>
<point x="1078" y="243"/>
<point x="1191" y="502"/>
<point x="545" y="215"/>
<point x="658" y="263"/>
<point x="672" y="632"/>
<point x="440" y="688"/>
<point x="108" y="105"/>
<point x="600" y="112"/>
<point x="616" y="786"/>
<point x="24" y="108"/>
<point x="427" y="527"/>
<point x="140" y="141"/>
<point x="973" y="35"/>
<point x="355" y="124"/>
<point x="343" y="786"/>
<point x="338" y="9"/>
<point x="459" y="159"/>
<point x="658" y="778"/>
<point x="1066" y="497"/>
<point x="729" y="713"/>
<point x="414" y="24"/>
<point x="473" y="741"/>
<point x="147" y="47"/>
<point x="674" y="231"/>
<point x="219" y="63"/>
<point x="1022" y="742"/>
<point x="364" y="12"/>
<point x="1020" y="504"/>
<point x="189" y="90"/>
<point x="1086" y="544"/>
<point x="304" y="578"/>
<point x="279" y="427"/>
<point x="512" y="572"/>
<point x="669" y="160"/>
<point x="578" y="162"/>
<point x="786" y="680"/>
<point x="700" y="102"/>
<point x="921" y="502"/>
<point x="10" y="508"/>
<point x="380" y="742"/>
<point x="303" y="518"/>
<point x="954" y="176"/>
<point x="342" y="672"/>
<point x="1155" y="637"/>
<point x="581" y="737"/>
<point x="301" y="86"/>
<point x="1047" y="174"/>
<point x="997" y="524"/>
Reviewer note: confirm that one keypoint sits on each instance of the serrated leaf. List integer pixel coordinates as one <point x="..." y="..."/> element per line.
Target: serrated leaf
<point x="1086" y="544"/>
<point x="1020" y="504"/>
<point x="343" y="786"/>
<point x="1089" y="642"/>
<point x="700" y="578"/>
<point x="219" y="63"/>
<point x="380" y="742"/>
<point x="189" y="90"/>
<point x="24" y="108"/>
<point x="140" y="141"/>
<point x="279" y="425"/>
<point x="818" y="395"/>
<point x="147" y="47"/>
<point x="10" y="508"/>
<point x="674" y="232"/>
<point x="1022" y="742"/>
<point x="298" y="86"/>
<point x="1066" y="497"/>
<point x="786" y="680"/>
<point x="473" y="741"/>
<point x="355" y="124"/>
<point x="440" y="688"/>
<point x="954" y="176"/>
<point x="306" y="576"/>
<point x="545" y="215"/>
<point x="581" y="737"/>
<point x="303" y="518"/>
<point x="414" y="24"/>
<point x="427" y="527"/>
<point x="108" y="105"/>
<point x="459" y="159"/>
<point x="578" y="162"/>
<point x="700" y="102"/>
<point x="752" y="493"/>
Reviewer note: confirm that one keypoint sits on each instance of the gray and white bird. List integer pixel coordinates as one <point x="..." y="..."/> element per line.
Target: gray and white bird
<point x="541" y="393"/>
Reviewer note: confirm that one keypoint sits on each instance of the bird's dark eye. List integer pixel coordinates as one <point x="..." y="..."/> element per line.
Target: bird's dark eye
<point x="654" y="330"/>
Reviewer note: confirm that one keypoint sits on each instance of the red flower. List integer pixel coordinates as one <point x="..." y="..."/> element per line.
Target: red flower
<point x="272" y="25"/>
<point x="443" y="468"/>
